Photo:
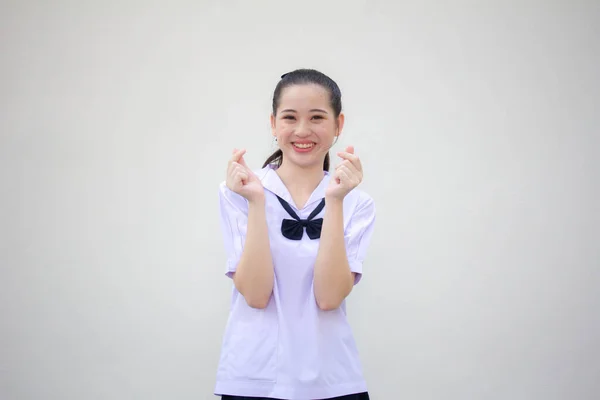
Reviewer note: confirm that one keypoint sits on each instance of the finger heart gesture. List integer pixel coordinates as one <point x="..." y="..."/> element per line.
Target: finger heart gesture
<point x="347" y="175"/>
<point x="241" y="179"/>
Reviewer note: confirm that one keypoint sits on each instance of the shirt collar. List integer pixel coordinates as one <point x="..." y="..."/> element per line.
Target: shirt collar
<point x="273" y="183"/>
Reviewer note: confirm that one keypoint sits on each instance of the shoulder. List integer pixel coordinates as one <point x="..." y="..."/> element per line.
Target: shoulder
<point x="229" y="198"/>
<point x="359" y="209"/>
<point x="261" y="173"/>
<point x="360" y="200"/>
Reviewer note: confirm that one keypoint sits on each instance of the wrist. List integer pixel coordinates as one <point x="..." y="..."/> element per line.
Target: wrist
<point x="257" y="200"/>
<point x="332" y="201"/>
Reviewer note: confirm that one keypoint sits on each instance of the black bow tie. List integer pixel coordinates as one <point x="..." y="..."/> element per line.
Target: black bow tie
<point x="294" y="228"/>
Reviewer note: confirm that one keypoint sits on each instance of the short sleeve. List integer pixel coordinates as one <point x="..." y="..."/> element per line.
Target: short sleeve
<point x="358" y="234"/>
<point x="234" y="224"/>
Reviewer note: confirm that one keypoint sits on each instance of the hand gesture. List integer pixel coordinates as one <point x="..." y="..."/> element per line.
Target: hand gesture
<point x="240" y="179"/>
<point x="346" y="176"/>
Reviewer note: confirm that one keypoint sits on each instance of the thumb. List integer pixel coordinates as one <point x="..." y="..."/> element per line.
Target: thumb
<point x="237" y="154"/>
<point x="242" y="162"/>
<point x="350" y="149"/>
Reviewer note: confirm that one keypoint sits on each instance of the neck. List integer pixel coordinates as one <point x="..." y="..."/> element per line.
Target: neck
<point x="298" y="180"/>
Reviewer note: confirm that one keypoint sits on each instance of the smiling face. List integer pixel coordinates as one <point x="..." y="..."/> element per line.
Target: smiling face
<point x="305" y="125"/>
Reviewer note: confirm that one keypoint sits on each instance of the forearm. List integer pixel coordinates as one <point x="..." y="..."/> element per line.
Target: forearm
<point x="333" y="279"/>
<point x="254" y="274"/>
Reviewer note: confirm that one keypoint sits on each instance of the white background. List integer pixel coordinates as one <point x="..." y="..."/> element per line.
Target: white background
<point x="478" y="127"/>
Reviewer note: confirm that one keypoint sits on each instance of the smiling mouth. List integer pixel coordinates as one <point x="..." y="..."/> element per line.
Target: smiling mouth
<point x="303" y="146"/>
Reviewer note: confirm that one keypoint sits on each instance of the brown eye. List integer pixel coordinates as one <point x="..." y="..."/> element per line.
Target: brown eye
<point x="288" y="117"/>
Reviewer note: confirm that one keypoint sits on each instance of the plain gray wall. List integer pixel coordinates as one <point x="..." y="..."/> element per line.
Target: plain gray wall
<point x="478" y="127"/>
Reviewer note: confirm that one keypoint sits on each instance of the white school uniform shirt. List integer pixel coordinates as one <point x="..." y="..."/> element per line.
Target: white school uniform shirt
<point x="291" y="349"/>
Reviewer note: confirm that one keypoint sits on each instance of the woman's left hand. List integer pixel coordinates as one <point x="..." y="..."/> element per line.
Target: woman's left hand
<point x="347" y="175"/>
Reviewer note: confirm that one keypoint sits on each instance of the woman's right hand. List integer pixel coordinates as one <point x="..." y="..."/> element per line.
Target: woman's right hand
<point x="241" y="179"/>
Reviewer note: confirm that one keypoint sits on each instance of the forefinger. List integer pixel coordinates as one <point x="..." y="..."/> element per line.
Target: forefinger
<point x="351" y="157"/>
<point x="237" y="154"/>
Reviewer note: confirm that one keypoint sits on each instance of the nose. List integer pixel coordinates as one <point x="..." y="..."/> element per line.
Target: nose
<point x="302" y="130"/>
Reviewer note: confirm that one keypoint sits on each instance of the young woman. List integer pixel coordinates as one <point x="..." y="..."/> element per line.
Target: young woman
<point x="296" y="237"/>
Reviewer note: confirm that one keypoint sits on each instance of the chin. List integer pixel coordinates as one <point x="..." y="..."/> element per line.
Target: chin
<point x="305" y="160"/>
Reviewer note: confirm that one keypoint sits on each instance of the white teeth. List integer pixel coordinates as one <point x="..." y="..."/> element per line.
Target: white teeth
<point x="304" y="145"/>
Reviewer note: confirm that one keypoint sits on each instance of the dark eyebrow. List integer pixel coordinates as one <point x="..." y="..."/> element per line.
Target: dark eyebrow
<point x="313" y="110"/>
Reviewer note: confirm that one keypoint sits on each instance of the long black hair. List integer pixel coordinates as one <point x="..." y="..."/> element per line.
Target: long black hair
<point x="303" y="77"/>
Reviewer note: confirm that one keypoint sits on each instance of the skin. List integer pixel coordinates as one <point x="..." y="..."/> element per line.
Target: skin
<point x="333" y="280"/>
<point x="304" y="115"/>
<point x="254" y="275"/>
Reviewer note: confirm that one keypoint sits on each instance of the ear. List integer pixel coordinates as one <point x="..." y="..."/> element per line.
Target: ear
<point x="273" y="125"/>
<point x="340" y="123"/>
